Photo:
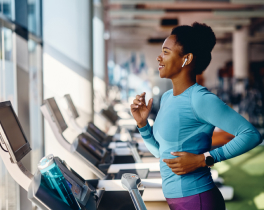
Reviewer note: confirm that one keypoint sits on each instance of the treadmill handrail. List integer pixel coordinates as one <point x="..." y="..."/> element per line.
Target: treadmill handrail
<point x="137" y="199"/>
<point x="134" y="152"/>
<point x="17" y="170"/>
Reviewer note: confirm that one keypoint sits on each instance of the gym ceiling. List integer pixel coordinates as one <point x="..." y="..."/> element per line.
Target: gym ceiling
<point x="141" y="21"/>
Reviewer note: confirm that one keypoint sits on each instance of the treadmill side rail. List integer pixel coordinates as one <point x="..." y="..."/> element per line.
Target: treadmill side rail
<point x="18" y="172"/>
<point x="137" y="199"/>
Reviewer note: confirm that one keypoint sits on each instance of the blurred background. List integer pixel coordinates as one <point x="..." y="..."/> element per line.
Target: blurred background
<point x="103" y="52"/>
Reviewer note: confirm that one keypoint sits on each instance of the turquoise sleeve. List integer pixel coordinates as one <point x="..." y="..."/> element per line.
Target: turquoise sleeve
<point x="149" y="140"/>
<point x="209" y="109"/>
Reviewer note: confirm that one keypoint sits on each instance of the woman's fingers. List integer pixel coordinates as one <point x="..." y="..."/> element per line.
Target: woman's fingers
<point x="142" y="97"/>
<point x="150" y="104"/>
<point x="133" y="106"/>
<point x="137" y="102"/>
<point x="140" y="100"/>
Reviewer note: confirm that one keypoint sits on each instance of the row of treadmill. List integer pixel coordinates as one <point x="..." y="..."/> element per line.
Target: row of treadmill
<point x="125" y="180"/>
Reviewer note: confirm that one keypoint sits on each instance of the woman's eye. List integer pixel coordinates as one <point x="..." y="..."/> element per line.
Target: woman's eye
<point x="165" y="51"/>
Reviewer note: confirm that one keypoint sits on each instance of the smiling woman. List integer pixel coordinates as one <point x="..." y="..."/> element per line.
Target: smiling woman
<point x="187" y="117"/>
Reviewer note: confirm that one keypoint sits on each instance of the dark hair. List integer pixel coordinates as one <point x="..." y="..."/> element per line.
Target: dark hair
<point x="198" y="39"/>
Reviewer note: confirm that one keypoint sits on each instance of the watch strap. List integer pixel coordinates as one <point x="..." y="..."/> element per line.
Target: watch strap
<point x="206" y="154"/>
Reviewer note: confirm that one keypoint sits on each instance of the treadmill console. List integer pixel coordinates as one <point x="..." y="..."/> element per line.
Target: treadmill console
<point x="80" y="188"/>
<point x="94" y="148"/>
<point x="96" y="132"/>
<point x="110" y="114"/>
<point x="12" y="134"/>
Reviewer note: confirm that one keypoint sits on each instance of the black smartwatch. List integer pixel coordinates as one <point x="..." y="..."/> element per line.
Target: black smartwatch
<point x="209" y="160"/>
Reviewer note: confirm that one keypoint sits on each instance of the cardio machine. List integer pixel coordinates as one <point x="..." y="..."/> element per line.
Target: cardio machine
<point x="112" y="141"/>
<point x="125" y="151"/>
<point x="99" y="159"/>
<point x="89" y="194"/>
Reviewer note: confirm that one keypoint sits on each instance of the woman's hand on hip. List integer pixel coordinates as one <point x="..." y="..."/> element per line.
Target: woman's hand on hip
<point x="185" y="163"/>
<point x="140" y="110"/>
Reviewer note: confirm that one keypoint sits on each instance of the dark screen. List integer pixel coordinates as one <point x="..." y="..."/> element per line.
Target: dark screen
<point x="12" y="128"/>
<point x="95" y="129"/>
<point x="93" y="147"/>
<point x="57" y="114"/>
<point x="71" y="106"/>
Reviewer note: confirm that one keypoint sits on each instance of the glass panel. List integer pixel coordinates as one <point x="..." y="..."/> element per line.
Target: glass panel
<point x="7" y="6"/>
<point x="8" y="187"/>
<point x="8" y="73"/>
<point x="35" y="97"/>
<point x="34" y="17"/>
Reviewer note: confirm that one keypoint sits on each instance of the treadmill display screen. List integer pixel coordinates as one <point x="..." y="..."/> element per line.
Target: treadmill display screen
<point x="57" y="113"/>
<point x="97" y="130"/>
<point x="94" y="148"/>
<point x="75" y="188"/>
<point x="13" y="131"/>
<point x="71" y="106"/>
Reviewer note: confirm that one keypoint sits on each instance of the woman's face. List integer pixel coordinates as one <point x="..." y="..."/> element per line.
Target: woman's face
<point x="170" y="59"/>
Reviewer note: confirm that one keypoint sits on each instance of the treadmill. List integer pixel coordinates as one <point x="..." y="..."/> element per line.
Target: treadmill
<point x="99" y="159"/>
<point x="89" y="194"/>
<point x="106" y="140"/>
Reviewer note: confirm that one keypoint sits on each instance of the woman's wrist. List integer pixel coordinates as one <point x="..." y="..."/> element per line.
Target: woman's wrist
<point x="202" y="160"/>
<point x="142" y="124"/>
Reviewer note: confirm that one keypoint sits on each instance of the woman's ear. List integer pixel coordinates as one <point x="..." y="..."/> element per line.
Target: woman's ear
<point x="189" y="57"/>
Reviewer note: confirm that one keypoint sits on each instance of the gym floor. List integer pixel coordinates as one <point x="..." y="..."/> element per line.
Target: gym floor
<point x="245" y="174"/>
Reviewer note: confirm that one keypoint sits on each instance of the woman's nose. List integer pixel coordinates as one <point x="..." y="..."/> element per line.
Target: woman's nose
<point x="159" y="58"/>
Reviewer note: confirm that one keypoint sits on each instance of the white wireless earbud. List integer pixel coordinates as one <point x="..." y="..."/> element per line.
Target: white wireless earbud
<point x="184" y="62"/>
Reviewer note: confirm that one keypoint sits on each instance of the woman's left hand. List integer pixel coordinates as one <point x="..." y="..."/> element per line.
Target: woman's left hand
<point x="185" y="163"/>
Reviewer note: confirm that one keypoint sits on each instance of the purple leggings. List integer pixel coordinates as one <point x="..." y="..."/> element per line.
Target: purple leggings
<point x="209" y="200"/>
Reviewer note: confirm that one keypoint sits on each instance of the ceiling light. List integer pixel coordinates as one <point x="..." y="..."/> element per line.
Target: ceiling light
<point x="247" y="1"/>
<point x="224" y="29"/>
<point x="135" y="12"/>
<point x="139" y="1"/>
<point x="243" y="14"/>
<point x="118" y="22"/>
<point x="227" y="21"/>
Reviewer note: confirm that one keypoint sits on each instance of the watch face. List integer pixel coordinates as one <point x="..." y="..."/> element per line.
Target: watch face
<point x="209" y="161"/>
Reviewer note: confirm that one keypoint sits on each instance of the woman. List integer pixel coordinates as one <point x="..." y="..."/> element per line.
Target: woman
<point x="187" y="117"/>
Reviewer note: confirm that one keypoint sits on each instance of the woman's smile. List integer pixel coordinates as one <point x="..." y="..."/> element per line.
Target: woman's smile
<point x="161" y="66"/>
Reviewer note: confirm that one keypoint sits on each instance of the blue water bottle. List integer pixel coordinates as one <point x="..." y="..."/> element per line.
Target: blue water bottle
<point x="56" y="181"/>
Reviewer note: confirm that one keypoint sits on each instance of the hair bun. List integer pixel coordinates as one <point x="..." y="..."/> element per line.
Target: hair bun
<point x="205" y="37"/>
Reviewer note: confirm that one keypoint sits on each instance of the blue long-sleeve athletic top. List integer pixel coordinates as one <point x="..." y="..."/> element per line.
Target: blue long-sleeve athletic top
<point x="186" y="123"/>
